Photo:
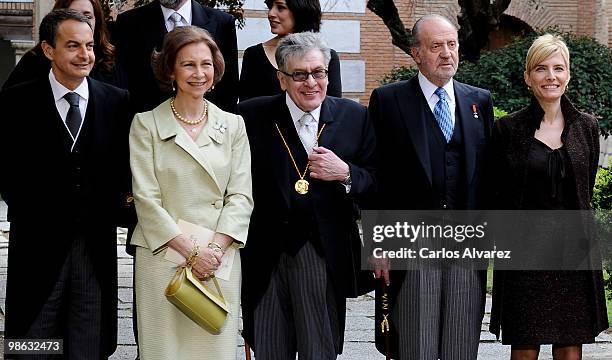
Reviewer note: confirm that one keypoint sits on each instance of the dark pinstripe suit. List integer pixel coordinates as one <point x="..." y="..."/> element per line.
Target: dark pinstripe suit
<point x="438" y="312"/>
<point x="297" y="265"/>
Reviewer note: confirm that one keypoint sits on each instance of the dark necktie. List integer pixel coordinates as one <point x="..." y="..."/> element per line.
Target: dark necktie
<point x="443" y="115"/>
<point x="73" y="119"/>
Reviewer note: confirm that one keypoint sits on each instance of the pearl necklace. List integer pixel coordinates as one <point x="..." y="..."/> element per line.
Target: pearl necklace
<point x="187" y="121"/>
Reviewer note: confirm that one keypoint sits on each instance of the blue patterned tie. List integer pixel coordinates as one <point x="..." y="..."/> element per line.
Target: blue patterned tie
<point x="443" y="114"/>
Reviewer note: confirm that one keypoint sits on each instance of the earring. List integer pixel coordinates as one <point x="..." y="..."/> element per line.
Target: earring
<point x="173" y="88"/>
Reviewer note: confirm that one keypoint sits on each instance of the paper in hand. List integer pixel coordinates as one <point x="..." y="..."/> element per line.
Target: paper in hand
<point x="202" y="236"/>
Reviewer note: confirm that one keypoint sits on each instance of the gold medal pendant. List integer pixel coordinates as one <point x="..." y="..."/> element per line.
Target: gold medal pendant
<point x="301" y="186"/>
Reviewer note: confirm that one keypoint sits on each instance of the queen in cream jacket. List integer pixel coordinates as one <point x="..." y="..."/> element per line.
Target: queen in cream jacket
<point x="207" y="182"/>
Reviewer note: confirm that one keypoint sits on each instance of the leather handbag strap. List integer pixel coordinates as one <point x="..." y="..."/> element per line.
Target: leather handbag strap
<point x="214" y="279"/>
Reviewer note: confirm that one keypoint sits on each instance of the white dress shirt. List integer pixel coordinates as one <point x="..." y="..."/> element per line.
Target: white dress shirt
<point x="428" y="89"/>
<point x="62" y="104"/>
<point x="184" y="11"/>
<point x="296" y="115"/>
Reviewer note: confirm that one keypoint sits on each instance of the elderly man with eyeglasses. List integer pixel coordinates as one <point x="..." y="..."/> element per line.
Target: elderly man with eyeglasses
<point x="312" y="158"/>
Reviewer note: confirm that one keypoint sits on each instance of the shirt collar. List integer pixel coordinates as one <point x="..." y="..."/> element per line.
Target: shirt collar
<point x="297" y="113"/>
<point x="60" y="90"/>
<point x="184" y="11"/>
<point x="429" y="88"/>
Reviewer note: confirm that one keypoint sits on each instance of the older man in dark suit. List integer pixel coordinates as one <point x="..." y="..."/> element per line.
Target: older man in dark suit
<point x="432" y="134"/>
<point x="65" y="167"/>
<point x="312" y="158"/>
<point x="139" y="31"/>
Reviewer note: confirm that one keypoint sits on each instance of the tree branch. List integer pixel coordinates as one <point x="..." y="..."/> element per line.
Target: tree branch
<point x="387" y="11"/>
<point x="476" y="20"/>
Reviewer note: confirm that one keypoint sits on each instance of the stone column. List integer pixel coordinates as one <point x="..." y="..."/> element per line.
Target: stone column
<point x="601" y="22"/>
<point x="20" y="47"/>
<point x="41" y="8"/>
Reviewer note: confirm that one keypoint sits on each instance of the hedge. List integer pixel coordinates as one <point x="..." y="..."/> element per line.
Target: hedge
<point x="602" y="203"/>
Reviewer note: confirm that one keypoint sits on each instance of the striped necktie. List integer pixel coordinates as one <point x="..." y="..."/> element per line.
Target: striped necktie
<point x="443" y="114"/>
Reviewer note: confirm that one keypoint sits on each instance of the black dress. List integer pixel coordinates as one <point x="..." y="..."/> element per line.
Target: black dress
<point x="547" y="307"/>
<point x="258" y="76"/>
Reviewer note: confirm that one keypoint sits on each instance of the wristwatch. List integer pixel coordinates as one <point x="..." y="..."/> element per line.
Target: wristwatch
<point x="347" y="180"/>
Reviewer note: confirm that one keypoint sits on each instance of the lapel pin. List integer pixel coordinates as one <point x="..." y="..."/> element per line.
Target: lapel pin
<point x="220" y="127"/>
<point x="474" y="111"/>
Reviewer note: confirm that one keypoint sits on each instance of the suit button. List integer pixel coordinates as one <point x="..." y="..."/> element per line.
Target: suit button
<point x="218" y="204"/>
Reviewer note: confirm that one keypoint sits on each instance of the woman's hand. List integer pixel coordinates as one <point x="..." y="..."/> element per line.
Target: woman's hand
<point x="206" y="263"/>
<point x="208" y="259"/>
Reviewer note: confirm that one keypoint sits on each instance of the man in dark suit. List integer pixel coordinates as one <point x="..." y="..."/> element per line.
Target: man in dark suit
<point x="432" y="133"/>
<point x="139" y="31"/>
<point x="65" y="168"/>
<point x="312" y="159"/>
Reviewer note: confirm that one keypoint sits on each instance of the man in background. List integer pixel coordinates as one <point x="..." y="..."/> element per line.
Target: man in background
<point x="139" y="31"/>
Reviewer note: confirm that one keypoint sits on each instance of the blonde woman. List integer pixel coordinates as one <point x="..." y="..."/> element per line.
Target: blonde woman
<point x="546" y="158"/>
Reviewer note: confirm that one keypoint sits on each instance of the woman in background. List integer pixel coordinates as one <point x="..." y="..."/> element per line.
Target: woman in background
<point x="34" y="64"/>
<point x="258" y="75"/>
<point x="546" y="158"/>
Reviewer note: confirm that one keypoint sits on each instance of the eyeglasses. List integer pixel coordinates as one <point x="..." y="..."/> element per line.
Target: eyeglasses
<point x="301" y="76"/>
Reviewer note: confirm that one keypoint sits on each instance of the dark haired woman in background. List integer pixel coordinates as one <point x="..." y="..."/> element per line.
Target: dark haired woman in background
<point x="34" y="64"/>
<point x="258" y="74"/>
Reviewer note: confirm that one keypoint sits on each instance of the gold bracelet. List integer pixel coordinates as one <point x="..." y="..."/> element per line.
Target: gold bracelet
<point x="214" y="246"/>
<point x="193" y="255"/>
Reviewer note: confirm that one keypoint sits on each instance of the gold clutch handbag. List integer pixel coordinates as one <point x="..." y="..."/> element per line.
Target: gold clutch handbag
<point x="197" y="301"/>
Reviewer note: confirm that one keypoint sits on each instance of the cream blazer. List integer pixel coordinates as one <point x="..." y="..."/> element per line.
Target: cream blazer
<point x="206" y="182"/>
